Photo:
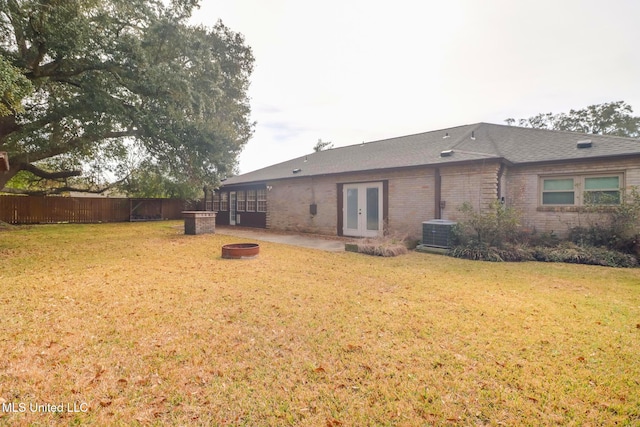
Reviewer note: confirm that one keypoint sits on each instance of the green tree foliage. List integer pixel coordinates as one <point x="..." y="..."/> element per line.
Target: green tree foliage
<point x="151" y="180"/>
<point x="611" y="118"/>
<point x="13" y="88"/>
<point x="494" y="226"/>
<point x="115" y="77"/>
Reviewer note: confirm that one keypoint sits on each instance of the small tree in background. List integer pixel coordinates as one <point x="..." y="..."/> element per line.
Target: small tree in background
<point x="322" y="145"/>
<point x="610" y="118"/>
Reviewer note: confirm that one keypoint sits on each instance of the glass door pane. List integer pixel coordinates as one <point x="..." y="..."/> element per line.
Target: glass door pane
<point x="232" y="208"/>
<point x="352" y="208"/>
<point x="373" y="214"/>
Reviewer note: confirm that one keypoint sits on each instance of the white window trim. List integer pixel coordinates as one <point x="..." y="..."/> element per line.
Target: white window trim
<point x="224" y="201"/>
<point x="261" y="203"/>
<point x="253" y="200"/>
<point x="216" y="201"/>
<point x="241" y="202"/>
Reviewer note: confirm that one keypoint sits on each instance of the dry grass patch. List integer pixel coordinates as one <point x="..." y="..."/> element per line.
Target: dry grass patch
<point x="148" y="326"/>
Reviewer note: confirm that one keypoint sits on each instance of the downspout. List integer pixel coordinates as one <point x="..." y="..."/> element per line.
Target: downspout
<point x="438" y="195"/>
<point x="500" y="174"/>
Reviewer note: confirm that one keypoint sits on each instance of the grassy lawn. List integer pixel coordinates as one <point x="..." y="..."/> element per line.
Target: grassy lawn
<point x="140" y="324"/>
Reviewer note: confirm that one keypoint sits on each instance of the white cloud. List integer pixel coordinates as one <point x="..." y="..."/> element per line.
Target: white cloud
<point x="348" y="71"/>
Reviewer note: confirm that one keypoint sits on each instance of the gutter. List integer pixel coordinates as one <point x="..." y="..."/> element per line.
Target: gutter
<point x="391" y="169"/>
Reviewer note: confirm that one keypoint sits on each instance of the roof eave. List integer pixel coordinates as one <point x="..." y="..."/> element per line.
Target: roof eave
<point x="577" y="160"/>
<point x="364" y="171"/>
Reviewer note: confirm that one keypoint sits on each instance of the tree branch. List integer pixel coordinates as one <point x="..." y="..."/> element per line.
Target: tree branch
<point x="63" y="189"/>
<point x="49" y="191"/>
<point x="8" y="125"/>
<point x="72" y="143"/>
<point x="14" y="18"/>
<point x="49" y="175"/>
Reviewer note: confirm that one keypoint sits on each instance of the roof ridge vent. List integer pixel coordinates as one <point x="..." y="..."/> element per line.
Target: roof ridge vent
<point x="584" y="144"/>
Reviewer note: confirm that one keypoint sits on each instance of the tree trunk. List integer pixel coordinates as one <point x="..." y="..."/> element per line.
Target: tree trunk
<point x="8" y="125"/>
<point x="6" y="176"/>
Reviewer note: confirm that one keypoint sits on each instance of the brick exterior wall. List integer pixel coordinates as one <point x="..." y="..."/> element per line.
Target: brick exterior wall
<point x="289" y="200"/>
<point x="411" y="195"/>
<point x="523" y="192"/>
<point x="410" y="201"/>
<point x="476" y="184"/>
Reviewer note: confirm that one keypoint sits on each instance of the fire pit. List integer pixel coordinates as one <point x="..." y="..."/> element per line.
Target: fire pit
<point x="240" y="251"/>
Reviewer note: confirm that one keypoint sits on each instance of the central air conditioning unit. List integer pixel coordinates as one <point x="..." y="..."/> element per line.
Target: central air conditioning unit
<point x="438" y="233"/>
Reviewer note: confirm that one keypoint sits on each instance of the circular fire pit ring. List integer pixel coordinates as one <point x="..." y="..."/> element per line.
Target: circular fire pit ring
<point x="240" y="251"/>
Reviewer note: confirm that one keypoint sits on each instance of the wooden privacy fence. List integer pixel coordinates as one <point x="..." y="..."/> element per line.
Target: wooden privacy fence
<point x="51" y="210"/>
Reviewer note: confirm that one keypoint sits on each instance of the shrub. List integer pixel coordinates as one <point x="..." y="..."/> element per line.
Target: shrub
<point x="593" y="235"/>
<point x="619" y="226"/>
<point x="382" y="250"/>
<point x="482" y="252"/>
<point x="495" y="235"/>
<point x="487" y="235"/>
<point x="572" y="253"/>
<point x="493" y="227"/>
<point x="517" y="252"/>
<point x="547" y="239"/>
<point x="476" y="251"/>
<point x="387" y="246"/>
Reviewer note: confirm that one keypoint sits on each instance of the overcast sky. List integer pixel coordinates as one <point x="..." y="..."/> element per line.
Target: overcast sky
<point x="349" y="71"/>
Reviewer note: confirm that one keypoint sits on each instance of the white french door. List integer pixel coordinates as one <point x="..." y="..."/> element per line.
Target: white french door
<point x="232" y="208"/>
<point x="362" y="210"/>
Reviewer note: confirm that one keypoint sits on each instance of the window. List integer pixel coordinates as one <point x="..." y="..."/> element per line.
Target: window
<point x="565" y="191"/>
<point x="224" y="201"/>
<point x="603" y="190"/>
<point x="251" y="200"/>
<point x="241" y="201"/>
<point x="558" y="191"/>
<point x="216" y="201"/>
<point x="262" y="200"/>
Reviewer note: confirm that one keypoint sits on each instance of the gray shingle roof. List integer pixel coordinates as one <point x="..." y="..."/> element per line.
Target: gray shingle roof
<point x="473" y="142"/>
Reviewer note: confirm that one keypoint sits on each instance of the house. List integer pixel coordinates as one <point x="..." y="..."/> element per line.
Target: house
<point x="394" y="185"/>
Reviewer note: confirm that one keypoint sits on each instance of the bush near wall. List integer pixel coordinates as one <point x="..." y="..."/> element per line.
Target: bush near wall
<point x="387" y="246"/>
<point x="495" y="235"/>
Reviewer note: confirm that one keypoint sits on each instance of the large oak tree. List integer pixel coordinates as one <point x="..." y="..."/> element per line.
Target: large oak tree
<point x="123" y="89"/>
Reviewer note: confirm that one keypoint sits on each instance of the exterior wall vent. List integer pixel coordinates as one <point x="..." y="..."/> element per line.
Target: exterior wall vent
<point x="446" y="153"/>
<point x="584" y="144"/>
<point x="437" y="233"/>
